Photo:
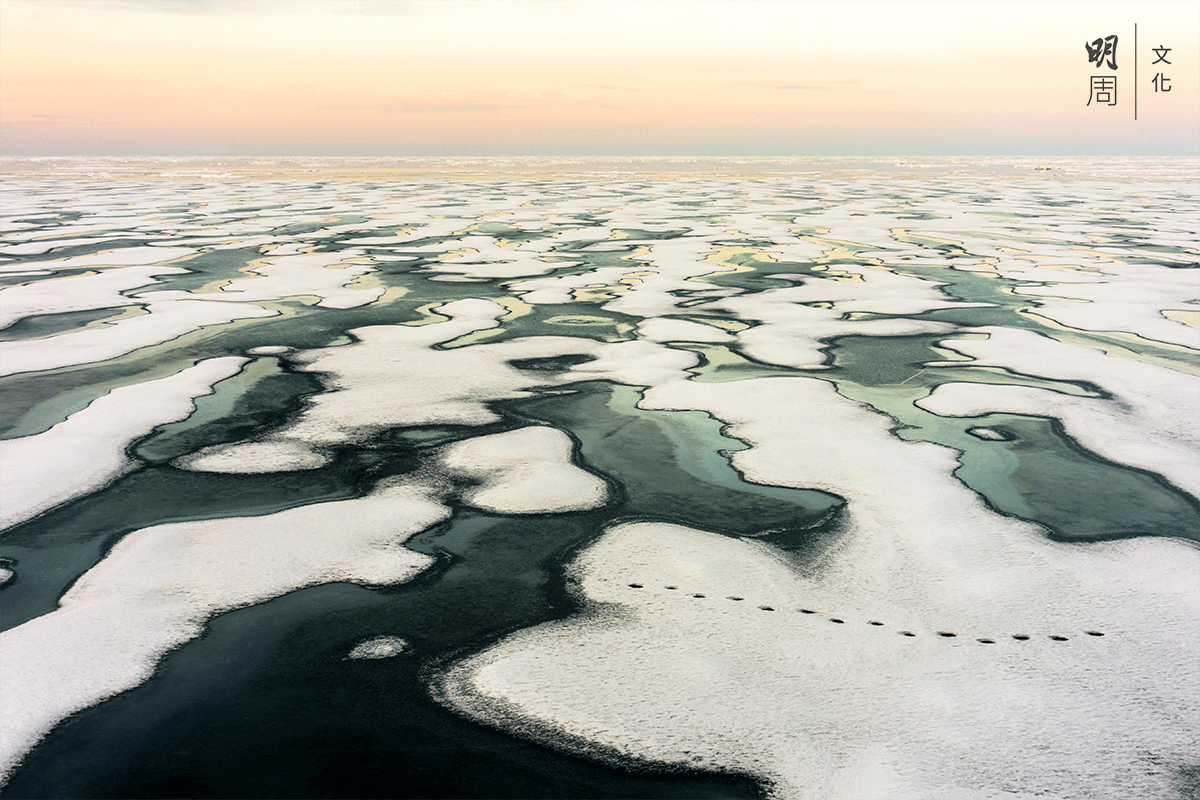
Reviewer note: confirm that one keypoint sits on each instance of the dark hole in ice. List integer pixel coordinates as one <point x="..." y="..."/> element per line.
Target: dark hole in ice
<point x="1020" y="637"/>
<point x="838" y="621"/>
<point x="907" y="633"/>
<point x="735" y="597"/>
<point x="1094" y="633"/>
<point x="697" y="595"/>
<point x="635" y="586"/>
<point x="807" y="611"/>
<point x="986" y="641"/>
<point x="767" y="608"/>
<point x="672" y="587"/>
<point x="947" y="634"/>
<point x="1059" y="638"/>
<point x="875" y="622"/>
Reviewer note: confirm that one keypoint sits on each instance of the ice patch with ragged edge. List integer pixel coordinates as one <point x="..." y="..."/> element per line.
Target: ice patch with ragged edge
<point x="527" y="470"/>
<point x="378" y="647"/>
<point x="79" y="293"/>
<point x="393" y="376"/>
<point x="157" y="588"/>
<point x="1149" y="422"/>
<point x="162" y="322"/>
<point x="125" y="257"/>
<point x="88" y="449"/>
<point x="927" y="652"/>
<point x="328" y="276"/>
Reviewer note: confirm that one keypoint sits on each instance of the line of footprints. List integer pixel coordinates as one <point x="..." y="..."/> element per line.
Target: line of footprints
<point x="1020" y="637"/>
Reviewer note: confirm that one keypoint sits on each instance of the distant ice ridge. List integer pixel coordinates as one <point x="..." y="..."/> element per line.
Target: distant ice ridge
<point x="693" y="649"/>
<point x="157" y="588"/>
<point x="87" y="450"/>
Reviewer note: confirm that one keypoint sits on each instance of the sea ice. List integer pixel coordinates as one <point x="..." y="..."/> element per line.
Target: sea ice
<point x="1149" y="422"/>
<point x="162" y="322"/>
<point x="525" y="471"/>
<point x="392" y="377"/>
<point x="378" y="647"/>
<point x="79" y="293"/>
<point x="693" y="649"/>
<point x="158" y="586"/>
<point x="94" y="441"/>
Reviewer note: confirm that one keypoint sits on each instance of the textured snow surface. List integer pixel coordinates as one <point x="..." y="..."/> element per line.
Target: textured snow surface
<point x="87" y="450"/>
<point x="158" y="586"/>
<point x="1148" y="422"/>
<point x="528" y="470"/>
<point x="378" y="647"/>
<point x="666" y="664"/>
<point x="406" y="321"/>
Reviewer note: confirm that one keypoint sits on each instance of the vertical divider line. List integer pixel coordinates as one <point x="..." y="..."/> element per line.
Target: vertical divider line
<point x="1135" y="81"/>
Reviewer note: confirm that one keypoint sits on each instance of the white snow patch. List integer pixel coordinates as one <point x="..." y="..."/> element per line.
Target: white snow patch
<point x="157" y="588"/>
<point x="691" y="677"/>
<point x="392" y="377"/>
<point x="525" y="471"/>
<point x="163" y="322"/>
<point x="126" y="257"/>
<point x="665" y="329"/>
<point x="78" y="293"/>
<point x="1150" y="422"/>
<point x="93" y="441"/>
<point x="378" y="647"/>
<point x="273" y="455"/>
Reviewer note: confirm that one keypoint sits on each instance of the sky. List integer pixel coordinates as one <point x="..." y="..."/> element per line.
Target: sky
<point x="614" y="77"/>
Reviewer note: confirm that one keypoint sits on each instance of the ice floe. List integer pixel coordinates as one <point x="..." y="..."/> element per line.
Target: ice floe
<point x="124" y="257"/>
<point x="326" y="275"/>
<point x="88" y="449"/>
<point x="163" y="322"/>
<point x="524" y="471"/>
<point x="80" y="293"/>
<point x="888" y="668"/>
<point x="158" y="586"/>
<point x="377" y="648"/>
<point x="1149" y="421"/>
<point x="392" y="376"/>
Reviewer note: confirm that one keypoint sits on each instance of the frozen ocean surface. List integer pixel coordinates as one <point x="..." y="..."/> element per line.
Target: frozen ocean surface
<point x="811" y="478"/>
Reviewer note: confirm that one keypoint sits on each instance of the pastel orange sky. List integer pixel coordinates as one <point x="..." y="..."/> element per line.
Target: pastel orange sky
<point x="259" y="77"/>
